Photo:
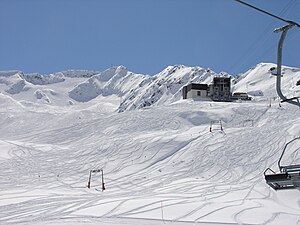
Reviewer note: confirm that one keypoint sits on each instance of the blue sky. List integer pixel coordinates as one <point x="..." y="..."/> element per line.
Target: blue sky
<point x="144" y="35"/>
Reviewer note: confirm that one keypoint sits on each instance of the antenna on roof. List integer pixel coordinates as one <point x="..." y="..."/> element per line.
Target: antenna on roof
<point x="284" y="30"/>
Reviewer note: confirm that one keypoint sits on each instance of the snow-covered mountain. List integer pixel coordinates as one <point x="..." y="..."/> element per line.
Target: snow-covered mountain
<point x="134" y="91"/>
<point x="259" y="81"/>
<point x="161" y="163"/>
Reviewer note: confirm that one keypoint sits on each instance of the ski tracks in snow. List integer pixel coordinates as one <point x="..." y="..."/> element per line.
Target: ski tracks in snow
<point x="148" y="157"/>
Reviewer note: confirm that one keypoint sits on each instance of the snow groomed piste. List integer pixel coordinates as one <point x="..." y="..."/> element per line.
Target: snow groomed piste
<point x="161" y="163"/>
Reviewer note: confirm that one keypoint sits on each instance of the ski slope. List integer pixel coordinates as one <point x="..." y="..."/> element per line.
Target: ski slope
<point x="163" y="158"/>
<point x="161" y="164"/>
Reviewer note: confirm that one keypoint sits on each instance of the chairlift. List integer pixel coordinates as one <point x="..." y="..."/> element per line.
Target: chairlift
<point x="284" y="30"/>
<point x="278" y="74"/>
<point x="287" y="178"/>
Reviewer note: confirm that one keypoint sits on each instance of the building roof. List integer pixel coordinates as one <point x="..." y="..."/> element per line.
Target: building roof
<point x="222" y="78"/>
<point x="195" y="86"/>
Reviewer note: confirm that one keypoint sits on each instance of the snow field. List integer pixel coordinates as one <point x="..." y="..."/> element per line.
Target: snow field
<point x="160" y="164"/>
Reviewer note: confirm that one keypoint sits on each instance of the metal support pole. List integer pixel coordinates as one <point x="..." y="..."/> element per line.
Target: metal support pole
<point x="89" y="182"/>
<point x="103" y="186"/>
<point x="284" y="31"/>
<point x="279" y="161"/>
<point x="102" y="178"/>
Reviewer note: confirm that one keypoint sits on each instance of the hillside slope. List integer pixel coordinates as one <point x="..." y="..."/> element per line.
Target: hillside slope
<point x="161" y="164"/>
<point x="135" y="91"/>
<point x="164" y="155"/>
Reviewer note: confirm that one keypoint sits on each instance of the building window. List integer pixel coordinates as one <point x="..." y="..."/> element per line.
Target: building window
<point x="198" y="93"/>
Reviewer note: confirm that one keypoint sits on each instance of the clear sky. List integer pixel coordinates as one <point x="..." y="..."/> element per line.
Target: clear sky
<point x="144" y="35"/>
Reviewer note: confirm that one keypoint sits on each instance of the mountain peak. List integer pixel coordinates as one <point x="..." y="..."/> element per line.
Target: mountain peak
<point x="10" y="73"/>
<point x="135" y="91"/>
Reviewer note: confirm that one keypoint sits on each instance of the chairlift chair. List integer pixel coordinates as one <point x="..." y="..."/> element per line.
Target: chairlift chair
<point x="287" y="178"/>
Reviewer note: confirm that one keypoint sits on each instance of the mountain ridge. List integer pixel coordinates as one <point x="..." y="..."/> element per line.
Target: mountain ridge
<point x="135" y="91"/>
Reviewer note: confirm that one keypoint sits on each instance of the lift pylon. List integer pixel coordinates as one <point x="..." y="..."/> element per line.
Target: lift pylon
<point x="284" y="30"/>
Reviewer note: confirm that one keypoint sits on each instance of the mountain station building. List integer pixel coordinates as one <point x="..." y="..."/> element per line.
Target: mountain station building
<point x="219" y="90"/>
<point x="194" y="90"/>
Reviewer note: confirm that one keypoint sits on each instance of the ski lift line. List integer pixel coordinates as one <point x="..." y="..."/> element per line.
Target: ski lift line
<point x="263" y="54"/>
<point x="267" y="51"/>
<point x="283" y="31"/>
<point x="270" y="14"/>
<point x="257" y="42"/>
<point x="252" y="50"/>
<point x="291" y="4"/>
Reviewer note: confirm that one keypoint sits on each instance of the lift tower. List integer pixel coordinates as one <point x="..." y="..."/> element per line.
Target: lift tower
<point x="284" y="30"/>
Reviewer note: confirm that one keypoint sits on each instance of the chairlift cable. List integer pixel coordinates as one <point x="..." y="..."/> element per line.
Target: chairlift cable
<point x="270" y="14"/>
<point x="260" y="40"/>
<point x="291" y="37"/>
<point x="284" y="31"/>
<point x="287" y="7"/>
